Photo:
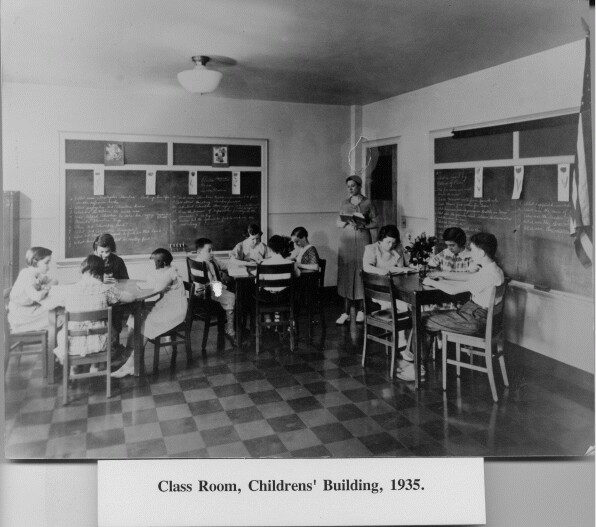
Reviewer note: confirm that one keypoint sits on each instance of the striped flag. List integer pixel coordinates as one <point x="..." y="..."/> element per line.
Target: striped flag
<point x="582" y="174"/>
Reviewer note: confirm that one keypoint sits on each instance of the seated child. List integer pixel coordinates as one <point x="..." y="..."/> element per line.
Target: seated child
<point x="383" y="257"/>
<point x="455" y="258"/>
<point x="251" y="250"/>
<point x="88" y="294"/>
<point x="167" y="313"/>
<point x="216" y="269"/>
<point x="25" y="310"/>
<point x="305" y="255"/>
<point x="104" y="246"/>
<point x="469" y="319"/>
<point x="277" y="246"/>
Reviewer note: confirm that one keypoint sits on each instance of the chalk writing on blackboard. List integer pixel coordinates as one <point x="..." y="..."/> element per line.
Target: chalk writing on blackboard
<point x="532" y="232"/>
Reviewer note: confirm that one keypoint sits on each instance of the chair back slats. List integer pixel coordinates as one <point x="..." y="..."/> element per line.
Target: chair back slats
<point x="322" y="267"/>
<point x="100" y="315"/>
<point x="377" y="287"/>
<point x="286" y="268"/>
<point x="275" y="275"/>
<point x="88" y="316"/>
<point x="197" y="271"/>
<point x="495" y="315"/>
<point x="268" y="282"/>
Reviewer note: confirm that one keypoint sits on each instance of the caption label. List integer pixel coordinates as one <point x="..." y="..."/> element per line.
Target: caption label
<point x="292" y="492"/>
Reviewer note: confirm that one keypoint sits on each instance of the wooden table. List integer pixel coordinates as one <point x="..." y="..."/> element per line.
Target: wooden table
<point x="410" y="290"/>
<point x="134" y="308"/>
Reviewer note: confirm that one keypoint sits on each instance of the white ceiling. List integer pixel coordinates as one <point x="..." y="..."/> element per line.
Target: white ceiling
<point x="316" y="51"/>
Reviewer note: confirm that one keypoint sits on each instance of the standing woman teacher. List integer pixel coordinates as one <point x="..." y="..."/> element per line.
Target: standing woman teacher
<point x="353" y="239"/>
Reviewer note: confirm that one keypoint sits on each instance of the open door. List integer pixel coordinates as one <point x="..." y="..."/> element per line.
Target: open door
<point x="381" y="182"/>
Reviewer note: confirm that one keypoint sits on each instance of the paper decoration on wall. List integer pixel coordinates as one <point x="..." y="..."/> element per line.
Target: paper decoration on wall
<point x="192" y="183"/>
<point x="98" y="182"/>
<point x="518" y="181"/>
<point x="219" y="156"/>
<point x="478" y="176"/>
<point x="236" y="183"/>
<point x="150" y="182"/>
<point x="113" y="154"/>
<point x="563" y="186"/>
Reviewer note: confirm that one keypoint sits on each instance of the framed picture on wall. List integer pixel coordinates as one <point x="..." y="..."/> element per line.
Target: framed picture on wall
<point x="113" y="154"/>
<point x="219" y="156"/>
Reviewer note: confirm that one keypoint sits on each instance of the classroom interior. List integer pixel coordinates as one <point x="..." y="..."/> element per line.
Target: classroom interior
<point x="314" y="84"/>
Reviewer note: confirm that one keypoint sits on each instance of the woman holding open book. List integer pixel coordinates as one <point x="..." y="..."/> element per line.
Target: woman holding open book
<point x="357" y="215"/>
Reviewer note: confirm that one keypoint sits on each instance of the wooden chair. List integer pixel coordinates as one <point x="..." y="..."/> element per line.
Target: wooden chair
<point x="178" y="335"/>
<point x="102" y="315"/>
<point x="486" y="346"/>
<point x="265" y="303"/>
<point x="312" y="293"/>
<point x="319" y="295"/>
<point x="389" y="321"/>
<point x="20" y="344"/>
<point x="203" y="307"/>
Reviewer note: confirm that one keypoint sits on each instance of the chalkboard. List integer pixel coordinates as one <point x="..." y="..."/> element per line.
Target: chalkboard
<point x="533" y="232"/>
<point x="142" y="223"/>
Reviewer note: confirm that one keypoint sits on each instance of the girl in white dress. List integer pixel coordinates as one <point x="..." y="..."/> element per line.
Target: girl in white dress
<point x="168" y="312"/>
<point x="26" y="311"/>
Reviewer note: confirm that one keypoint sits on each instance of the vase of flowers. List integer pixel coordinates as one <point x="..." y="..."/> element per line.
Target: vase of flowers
<point x="420" y="250"/>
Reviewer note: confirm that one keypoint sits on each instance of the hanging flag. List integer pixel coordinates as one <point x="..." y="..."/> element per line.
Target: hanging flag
<point x="581" y="175"/>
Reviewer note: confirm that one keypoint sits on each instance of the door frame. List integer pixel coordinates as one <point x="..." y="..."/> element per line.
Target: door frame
<point x="371" y="143"/>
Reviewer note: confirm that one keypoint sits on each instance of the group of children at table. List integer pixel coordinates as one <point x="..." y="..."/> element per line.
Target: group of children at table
<point x="29" y="303"/>
<point x="279" y="250"/>
<point x="457" y="269"/>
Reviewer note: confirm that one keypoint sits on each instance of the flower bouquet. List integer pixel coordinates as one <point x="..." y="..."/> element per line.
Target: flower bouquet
<point x="420" y="250"/>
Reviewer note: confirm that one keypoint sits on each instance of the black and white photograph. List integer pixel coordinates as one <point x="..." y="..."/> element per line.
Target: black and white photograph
<point x="404" y="271"/>
<point x="220" y="156"/>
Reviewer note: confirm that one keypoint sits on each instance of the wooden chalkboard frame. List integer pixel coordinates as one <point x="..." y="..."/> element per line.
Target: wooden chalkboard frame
<point x="170" y="140"/>
<point x="514" y="160"/>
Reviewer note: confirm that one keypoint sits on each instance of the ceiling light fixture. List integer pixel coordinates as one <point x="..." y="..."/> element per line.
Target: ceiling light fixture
<point x="200" y="79"/>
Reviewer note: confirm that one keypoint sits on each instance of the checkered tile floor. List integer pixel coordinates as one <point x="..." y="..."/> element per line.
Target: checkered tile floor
<point x="307" y="404"/>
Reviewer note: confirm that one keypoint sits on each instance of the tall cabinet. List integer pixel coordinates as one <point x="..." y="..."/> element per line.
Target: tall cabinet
<point x="10" y="250"/>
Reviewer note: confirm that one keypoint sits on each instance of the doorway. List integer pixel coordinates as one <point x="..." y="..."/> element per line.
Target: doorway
<point x="381" y="182"/>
